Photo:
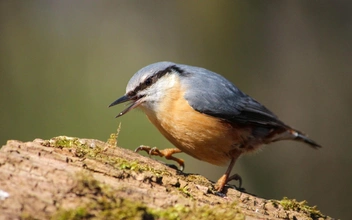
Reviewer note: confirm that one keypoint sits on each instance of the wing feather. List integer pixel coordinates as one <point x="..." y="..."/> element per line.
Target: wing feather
<point x="212" y="94"/>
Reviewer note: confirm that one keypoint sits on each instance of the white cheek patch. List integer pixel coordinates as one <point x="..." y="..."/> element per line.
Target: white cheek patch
<point x="161" y="88"/>
<point x="155" y="94"/>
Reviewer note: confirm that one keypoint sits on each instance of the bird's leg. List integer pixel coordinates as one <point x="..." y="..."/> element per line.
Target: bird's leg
<point x="167" y="153"/>
<point x="219" y="186"/>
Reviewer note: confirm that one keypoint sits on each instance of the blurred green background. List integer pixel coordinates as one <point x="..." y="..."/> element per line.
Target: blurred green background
<point x="63" y="62"/>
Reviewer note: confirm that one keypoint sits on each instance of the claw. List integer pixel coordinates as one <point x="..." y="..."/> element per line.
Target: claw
<point x="237" y="178"/>
<point x="152" y="150"/>
<point x="167" y="153"/>
<point x="142" y="147"/>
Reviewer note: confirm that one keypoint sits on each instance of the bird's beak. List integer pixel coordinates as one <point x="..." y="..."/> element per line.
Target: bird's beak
<point x="135" y="102"/>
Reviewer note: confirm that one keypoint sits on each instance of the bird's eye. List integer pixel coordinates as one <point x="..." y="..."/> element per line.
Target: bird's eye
<point x="148" y="82"/>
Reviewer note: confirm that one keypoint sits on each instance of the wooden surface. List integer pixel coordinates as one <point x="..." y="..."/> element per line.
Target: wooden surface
<point x="70" y="177"/>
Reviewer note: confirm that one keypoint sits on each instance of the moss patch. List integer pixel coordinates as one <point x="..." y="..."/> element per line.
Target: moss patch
<point x="222" y="211"/>
<point x="100" y="201"/>
<point x="83" y="148"/>
<point x="113" y="137"/>
<point x="103" y="202"/>
<point x="302" y="207"/>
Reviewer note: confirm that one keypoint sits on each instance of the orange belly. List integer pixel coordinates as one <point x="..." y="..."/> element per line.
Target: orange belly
<point x="199" y="135"/>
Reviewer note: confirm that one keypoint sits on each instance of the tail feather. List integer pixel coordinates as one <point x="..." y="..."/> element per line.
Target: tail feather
<point x="299" y="136"/>
<point x="292" y="134"/>
<point x="303" y="138"/>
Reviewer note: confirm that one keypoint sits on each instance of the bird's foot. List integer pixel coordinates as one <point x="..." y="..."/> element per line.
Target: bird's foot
<point x="220" y="184"/>
<point x="167" y="153"/>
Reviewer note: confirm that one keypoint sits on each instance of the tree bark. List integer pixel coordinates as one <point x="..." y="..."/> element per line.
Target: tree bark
<point x="72" y="178"/>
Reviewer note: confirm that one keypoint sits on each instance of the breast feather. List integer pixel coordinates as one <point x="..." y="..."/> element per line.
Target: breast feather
<point x="199" y="135"/>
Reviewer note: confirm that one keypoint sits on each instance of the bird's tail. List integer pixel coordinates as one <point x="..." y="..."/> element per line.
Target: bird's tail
<point x="299" y="136"/>
<point x="293" y="134"/>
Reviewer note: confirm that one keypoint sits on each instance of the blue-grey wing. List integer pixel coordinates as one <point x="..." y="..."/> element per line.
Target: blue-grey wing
<point x="212" y="94"/>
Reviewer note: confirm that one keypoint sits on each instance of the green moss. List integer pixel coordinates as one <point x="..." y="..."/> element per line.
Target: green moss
<point x="79" y="213"/>
<point x="113" y="137"/>
<point x="79" y="146"/>
<point x="89" y="149"/>
<point x="184" y="190"/>
<point x="118" y="209"/>
<point x="221" y="211"/>
<point x="103" y="203"/>
<point x="292" y="204"/>
<point x="200" y="180"/>
<point x="64" y="141"/>
<point x="27" y="216"/>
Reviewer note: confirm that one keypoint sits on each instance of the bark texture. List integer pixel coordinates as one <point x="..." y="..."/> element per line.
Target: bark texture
<point x="72" y="178"/>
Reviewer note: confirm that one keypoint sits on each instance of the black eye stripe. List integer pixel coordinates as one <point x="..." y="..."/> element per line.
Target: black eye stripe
<point x="131" y="93"/>
<point x="176" y="69"/>
<point x="154" y="78"/>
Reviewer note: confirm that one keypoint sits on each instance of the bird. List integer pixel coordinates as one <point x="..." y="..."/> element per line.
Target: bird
<point x="203" y="115"/>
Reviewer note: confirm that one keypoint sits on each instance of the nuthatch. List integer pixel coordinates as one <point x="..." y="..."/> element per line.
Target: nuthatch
<point x="203" y="115"/>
